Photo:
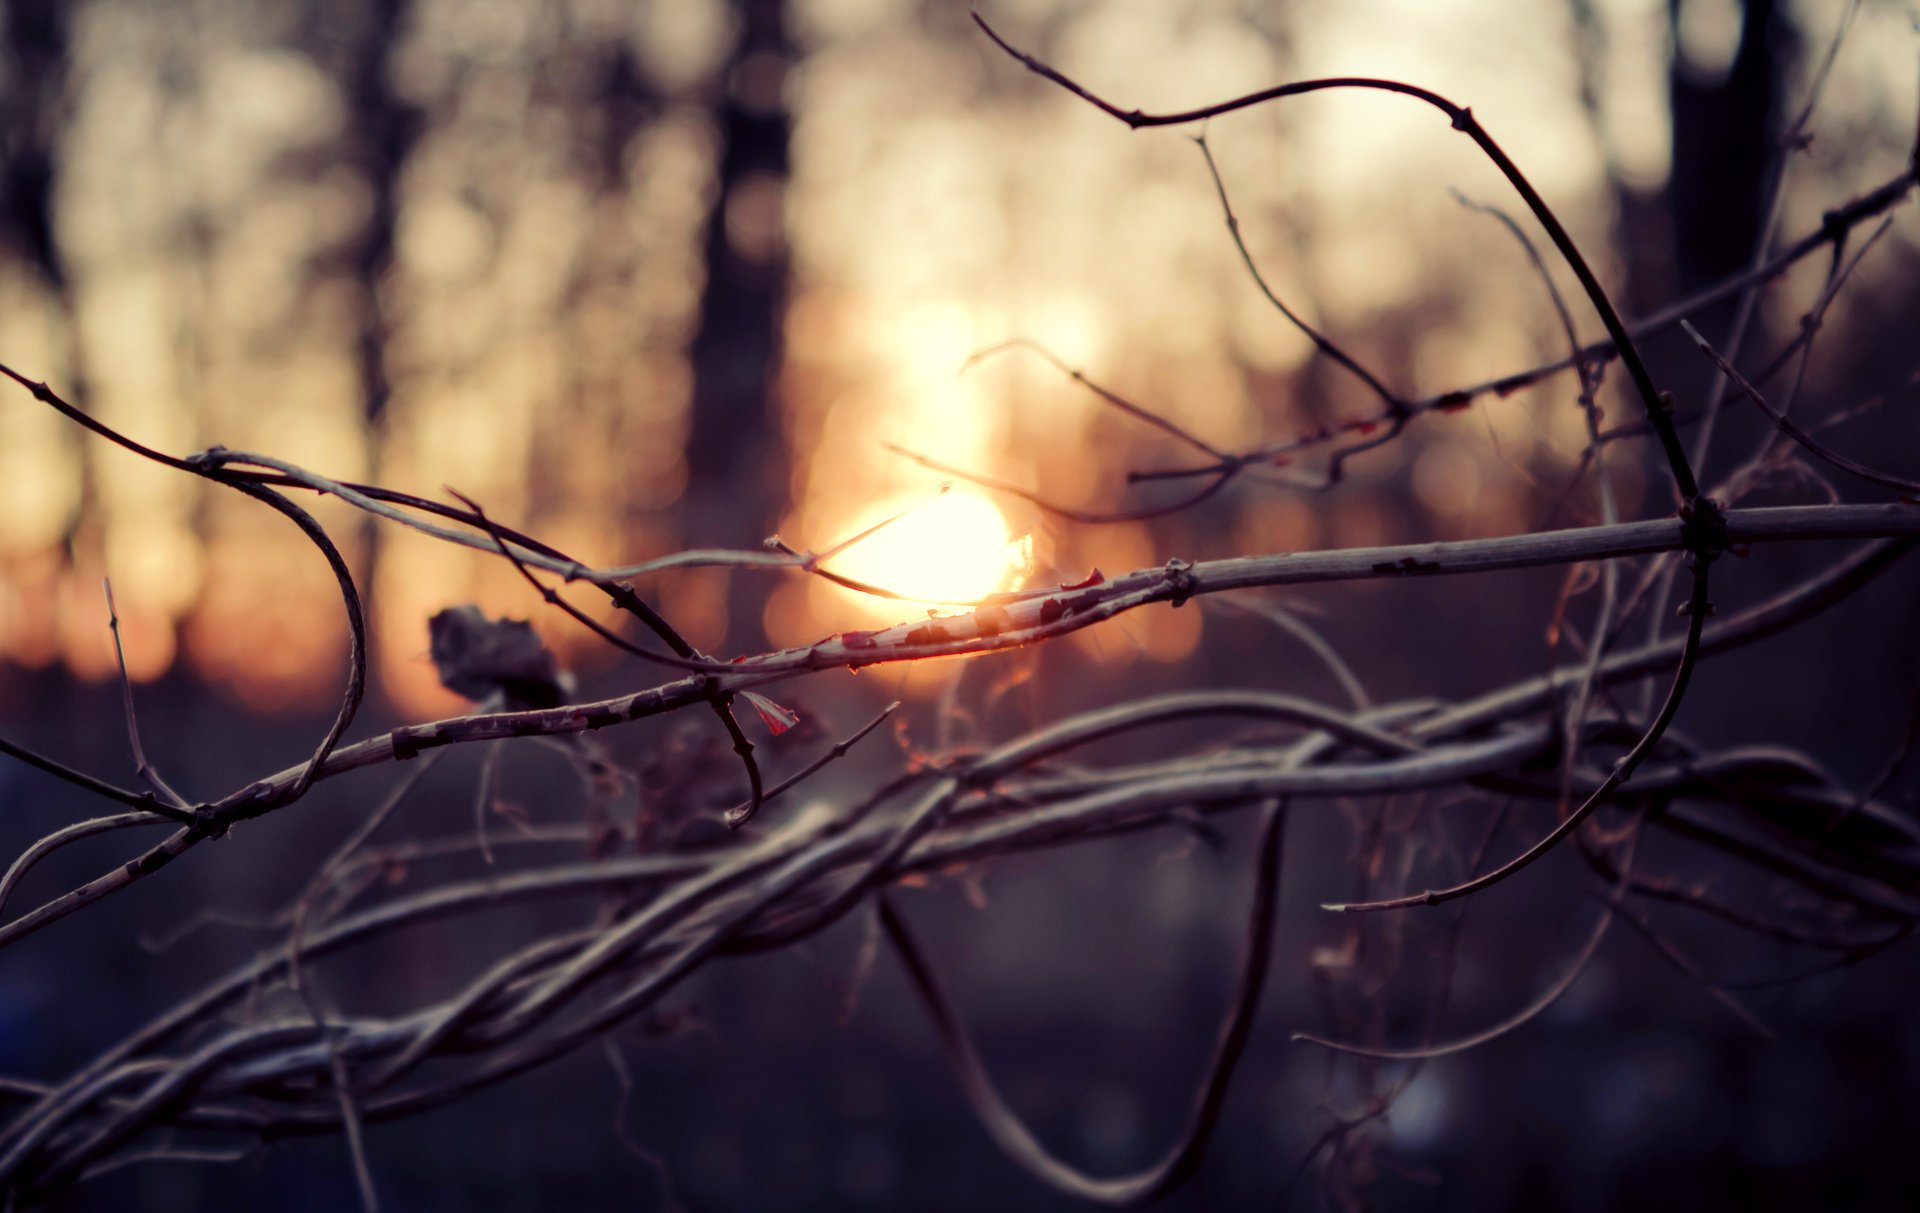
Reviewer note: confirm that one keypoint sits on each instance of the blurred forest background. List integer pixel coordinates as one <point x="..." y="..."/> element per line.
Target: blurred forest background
<point x="643" y="276"/>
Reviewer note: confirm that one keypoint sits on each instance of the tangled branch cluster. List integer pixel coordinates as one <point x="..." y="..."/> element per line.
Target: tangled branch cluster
<point x="219" y="1075"/>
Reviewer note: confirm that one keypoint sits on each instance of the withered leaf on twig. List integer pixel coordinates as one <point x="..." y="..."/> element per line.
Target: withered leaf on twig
<point x="479" y="657"/>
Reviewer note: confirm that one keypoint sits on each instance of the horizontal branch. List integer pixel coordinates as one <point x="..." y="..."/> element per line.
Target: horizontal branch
<point x="1011" y="621"/>
<point x="808" y="872"/>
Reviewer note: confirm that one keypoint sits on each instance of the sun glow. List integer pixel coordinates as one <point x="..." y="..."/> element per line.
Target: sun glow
<point x="951" y="548"/>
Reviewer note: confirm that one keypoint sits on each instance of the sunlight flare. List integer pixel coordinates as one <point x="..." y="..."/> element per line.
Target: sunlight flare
<point x="954" y="547"/>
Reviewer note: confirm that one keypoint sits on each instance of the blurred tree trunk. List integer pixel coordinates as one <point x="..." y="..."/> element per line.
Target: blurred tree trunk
<point x="36" y="72"/>
<point x="1727" y="154"/>
<point x="356" y="42"/>
<point x="1702" y="224"/>
<point x="1726" y="135"/>
<point x="733" y="479"/>
<point x="33" y="84"/>
<point x="381" y="132"/>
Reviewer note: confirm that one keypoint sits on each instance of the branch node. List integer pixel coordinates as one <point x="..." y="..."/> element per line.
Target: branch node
<point x="1834" y="227"/>
<point x="1179" y="577"/>
<point x="1703" y="528"/>
<point x="209" y="822"/>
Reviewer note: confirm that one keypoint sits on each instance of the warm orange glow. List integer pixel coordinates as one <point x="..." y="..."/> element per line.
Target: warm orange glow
<point x="546" y="277"/>
<point x="268" y="628"/>
<point x="952" y="548"/>
<point x="1164" y="634"/>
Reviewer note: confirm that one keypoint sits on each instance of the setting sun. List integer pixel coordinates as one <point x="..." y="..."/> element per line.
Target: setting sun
<point x="951" y="548"/>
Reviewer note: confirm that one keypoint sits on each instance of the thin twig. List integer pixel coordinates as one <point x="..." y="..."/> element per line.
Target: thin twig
<point x="142" y="767"/>
<point x="1785" y="425"/>
<point x="1698" y="607"/>
<point x="1659" y="410"/>
<point x="1138" y="412"/>
<point x="1395" y="404"/>
<point x="1577" y="966"/>
<point x="1011" y="1134"/>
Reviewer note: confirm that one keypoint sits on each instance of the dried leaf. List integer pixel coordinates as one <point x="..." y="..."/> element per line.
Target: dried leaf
<point x="478" y="657"/>
<point x="776" y="717"/>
